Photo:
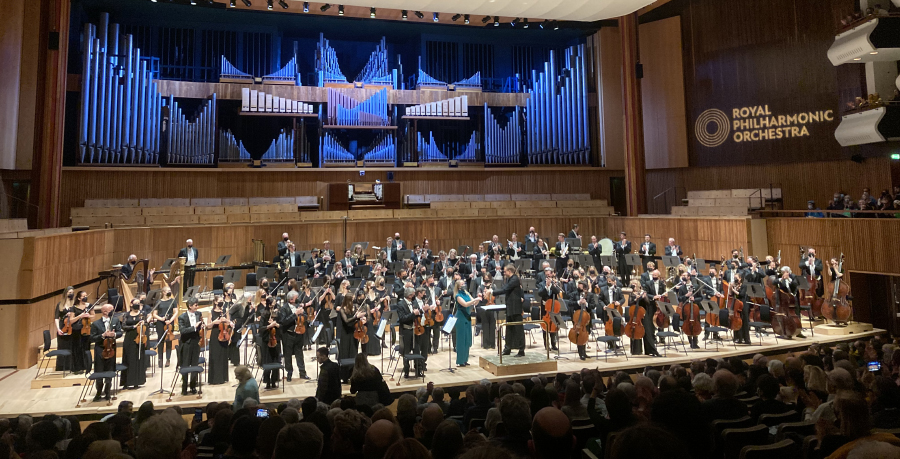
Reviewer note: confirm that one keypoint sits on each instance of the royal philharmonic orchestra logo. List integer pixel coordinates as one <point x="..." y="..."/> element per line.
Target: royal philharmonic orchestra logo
<point x="753" y="124"/>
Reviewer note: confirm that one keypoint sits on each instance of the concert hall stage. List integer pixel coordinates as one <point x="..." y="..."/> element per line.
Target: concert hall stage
<point x="20" y="398"/>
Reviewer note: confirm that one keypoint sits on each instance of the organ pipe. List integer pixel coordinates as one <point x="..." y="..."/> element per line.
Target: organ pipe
<point x="501" y="145"/>
<point x="344" y="110"/>
<point x="192" y="140"/>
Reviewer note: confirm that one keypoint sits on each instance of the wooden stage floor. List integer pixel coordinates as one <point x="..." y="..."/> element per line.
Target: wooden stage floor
<point x="19" y="397"/>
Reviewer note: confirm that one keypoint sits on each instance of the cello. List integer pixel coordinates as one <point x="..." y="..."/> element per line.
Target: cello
<point x="809" y="297"/>
<point x="785" y="321"/>
<point x="609" y="326"/>
<point x="634" y="328"/>
<point x="835" y="306"/>
<point x="735" y="307"/>
<point x="553" y="305"/>
<point x="690" y="315"/>
<point x="581" y="319"/>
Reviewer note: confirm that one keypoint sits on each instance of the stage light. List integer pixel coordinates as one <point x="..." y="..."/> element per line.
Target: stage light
<point x="874" y="53"/>
<point x="435" y="17"/>
<point x="283" y="4"/>
<point x="466" y="19"/>
<point x="514" y="22"/>
<point x="526" y="23"/>
<point x="485" y="19"/>
<point x="372" y="12"/>
<point x="340" y="10"/>
<point x="232" y="4"/>
<point x="247" y="3"/>
<point x="404" y="14"/>
<point x="306" y="7"/>
<point x="154" y="1"/>
<point x="895" y="156"/>
<point x="419" y="15"/>
<point x="541" y="25"/>
<point x="496" y="21"/>
<point x="555" y="25"/>
<point x="194" y="2"/>
<point x="269" y="5"/>
<point x="455" y="17"/>
<point x="325" y="7"/>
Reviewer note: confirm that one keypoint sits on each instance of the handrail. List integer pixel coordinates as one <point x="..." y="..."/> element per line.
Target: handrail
<point x="53" y="293"/>
<point x="825" y="212"/>
<point x="664" y="192"/>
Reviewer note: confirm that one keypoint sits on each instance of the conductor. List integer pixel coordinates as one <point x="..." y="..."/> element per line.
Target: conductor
<point x="515" y="334"/>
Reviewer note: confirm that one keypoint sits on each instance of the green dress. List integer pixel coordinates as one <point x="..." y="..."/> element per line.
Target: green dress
<point x="463" y="329"/>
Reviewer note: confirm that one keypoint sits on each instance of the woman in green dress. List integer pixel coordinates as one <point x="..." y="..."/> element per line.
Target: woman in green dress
<point x="464" y="305"/>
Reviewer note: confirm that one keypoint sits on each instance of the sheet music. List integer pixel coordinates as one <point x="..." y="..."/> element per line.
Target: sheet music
<point x="382" y="325"/>
<point x="318" y="330"/>
<point x="449" y="325"/>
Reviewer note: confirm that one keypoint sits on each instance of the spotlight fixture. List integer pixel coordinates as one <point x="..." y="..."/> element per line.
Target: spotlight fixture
<point x="485" y="19"/>
<point x="194" y="2"/>
<point x="283" y="4"/>
<point x="541" y="25"/>
<point x="555" y="25"/>
<point x="247" y="3"/>
<point x="232" y="4"/>
<point x="435" y="17"/>
<point x="306" y="7"/>
<point x="340" y="10"/>
<point x="372" y="12"/>
<point x="525" y="24"/>
<point x="325" y="7"/>
<point x="496" y="21"/>
<point x="514" y="22"/>
<point x="455" y="17"/>
<point x="269" y="5"/>
<point x="466" y="19"/>
<point x="404" y="14"/>
<point x="419" y="15"/>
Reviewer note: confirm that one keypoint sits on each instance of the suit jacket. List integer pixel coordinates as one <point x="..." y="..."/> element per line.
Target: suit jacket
<point x="465" y="269"/>
<point x="804" y="268"/>
<point x="97" y="329"/>
<point x="499" y="248"/>
<point x="183" y="253"/>
<point x="405" y="317"/>
<point x="534" y="239"/>
<point x="573" y="235"/>
<point x="790" y="286"/>
<point x="605" y="298"/>
<point x="516" y="249"/>
<point x="184" y="325"/>
<point x="397" y="245"/>
<point x="590" y="297"/>
<point x="127" y="269"/>
<point x="673" y="251"/>
<point x="683" y="292"/>
<point x="708" y="292"/>
<point x="594" y="251"/>
<point x="559" y="251"/>
<point x="298" y="260"/>
<point x="514" y="295"/>
<point x="648" y="287"/>
<point x="311" y="270"/>
<point x="622" y="249"/>
<point x="282" y="247"/>
<point x="651" y="250"/>
<point x="493" y="265"/>
<point x="288" y="318"/>
<point x="545" y="293"/>
<point x="329" y="387"/>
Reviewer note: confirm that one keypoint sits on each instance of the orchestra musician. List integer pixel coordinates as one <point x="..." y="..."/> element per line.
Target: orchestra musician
<point x="494" y="247"/>
<point x="423" y="343"/>
<point x="432" y="297"/>
<point x="129" y="265"/>
<point x="191" y="324"/>
<point x="622" y="248"/>
<point x="739" y="290"/>
<point x="788" y="285"/>
<point x="810" y="265"/>
<point x="105" y="327"/>
<point x="63" y="340"/>
<point x="292" y="343"/>
<point x="218" y="351"/>
<point x="470" y="271"/>
<point x="483" y="257"/>
<point x="549" y="288"/>
<point x="283" y="244"/>
<point x="594" y="250"/>
<point x="236" y="313"/>
<point x="408" y="310"/>
<point x="488" y="318"/>
<point x="540" y="252"/>
<point x="268" y="320"/>
<point x="359" y="256"/>
<point x="515" y="249"/>
<point x="610" y="294"/>
<point x="655" y="289"/>
<point x="753" y="273"/>
<point x="532" y="236"/>
<point x="81" y="338"/>
<point x="495" y="266"/>
<point x="463" y="306"/>
<point x="291" y="257"/>
<point x="515" y="337"/>
<point x="712" y="290"/>
<point x="648" y="269"/>
<point x="162" y="314"/>
<point x="562" y="253"/>
<point x="305" y="299"/>
<point x="327" y="252"/>
<point x="689" y="292"/>
<point x="648" y="252"/>
<point x="573" y="234"/>
<point x="583" y="299"/>
<point x="426" y="249"/>
<point x="673" y="250"/>
<point x="349" y="314"/>
<point x="731" y="271"/>
<point x="315" y="265"/>
<point x="452" y="258"/>
<point x="190" y="254"/>
<point x="397" y="244"/>
<point x="378" y="298"/>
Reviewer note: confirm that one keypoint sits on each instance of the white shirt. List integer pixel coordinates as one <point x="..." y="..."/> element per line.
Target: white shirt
<point x="106" y="323"/>
<point x="646" y="248"/>
<point x="190" y="257"/>
<point x="291" y="257"/>
<point x="193" y="319"/>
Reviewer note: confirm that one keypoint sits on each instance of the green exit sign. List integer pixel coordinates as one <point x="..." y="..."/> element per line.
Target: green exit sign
<point x="895" y="156"/>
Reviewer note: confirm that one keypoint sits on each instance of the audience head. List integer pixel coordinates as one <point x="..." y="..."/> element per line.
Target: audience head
<point x="724" y="384"/>
<point x="299" y="441"/>
<point x="408" y="448"/>
<point x="349" y="432"/>
<point x="516" y="414"/>
<point x="381" y="436"/>
<point x="551" y="434"/>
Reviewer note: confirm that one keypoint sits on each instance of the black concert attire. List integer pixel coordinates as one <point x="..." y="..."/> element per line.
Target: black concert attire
<point x="269" y="354"/>
<point x="165" y="309"/>
<point x="488" y="321"/>
<point x="594" y="251"/>
<point x="816" y="271"/>
<point x="406" y="320"/>
<point x="683" y="298"/>
<point x="653" y="288"/>
<point x="515" y="334"/>
<point x="789" y="287"/>
<point x="98" y="328"/>
<point x="190" y="256"/>
<point x="348" y="345"/>
<point x="236" y="312"/>
<point x="312" y="270"/>
<point x="282" y="247"/>
<point x="622" y="250"/>
<point x="647" y="251"/>
<point x="432" y="341"/>
<point x="133" y="353"/>
<point x="191" y="325"/>
<point x="743" y="335"/>
<point x="495" y="248"/>
<point x="292" y="343"/>
<point x="397" y="245"/>
<point x="218" y="352"/>
<point x="305" y="338"/>
<point x="373" y="347"/>
<point x="710" y="288"/>
<point x="609" y="295"/>
<point x="645" y="345"/>
<point x="539" y="257"/>
<point x="590" y="307"/>
<point x="63" y="342"/>
<point x="562" y="262"/>
<point x="81" y="342"/>
<point x="573" y="235"/>
<point x="329" y="387"/>
<point x="515" y="250"/>
<point x="545" y="292"/>
<point x="673" y="251"/>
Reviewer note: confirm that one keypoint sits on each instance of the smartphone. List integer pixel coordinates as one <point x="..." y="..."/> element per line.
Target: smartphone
<point x="198" y="415"/>
<point x="874" y="366"/>
<point x="262" y="413"/>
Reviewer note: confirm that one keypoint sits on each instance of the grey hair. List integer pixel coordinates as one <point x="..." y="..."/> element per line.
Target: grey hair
<point x="408" y="292"/>
<point x="785" y="269"/>
<point x="292" y="295"/>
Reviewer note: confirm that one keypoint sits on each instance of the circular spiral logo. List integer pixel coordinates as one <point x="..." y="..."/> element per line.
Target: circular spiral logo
<point x="715" y="135"/>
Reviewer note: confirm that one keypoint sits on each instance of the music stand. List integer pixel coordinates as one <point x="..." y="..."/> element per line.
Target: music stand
<point x="167" y="265"/>
<point x="317" y="282"/>
<point x="632" y="260"/>
<point x="191" y="291"/>
<point x="329" y="269"/>
<point x="268" y="273"/>
<point x="574" y="243"/>
<point x="153" y="296"/>
<point x="529" y="247"/>
<point x="671" y="262"/>
<point x="462" y="250"/>
<point x="528" y="284"/>
<point x="449" y="327"/>
<point x="560" y="326"/>
<point x="232" y="276"/>
<point x="404" y="254"/>
<point x="294" y="272"/>
<point x="700" y="264"/>
<point x="587" y="260"/>
<point x="395" y="266"/>
<point x="354" y="282"/>
<point x="756" y="290"/>
<point x="304" y="255"/>
<point x="607" y="260"/>
<point x="222" y="260"/>
<point x="522" y="264"/>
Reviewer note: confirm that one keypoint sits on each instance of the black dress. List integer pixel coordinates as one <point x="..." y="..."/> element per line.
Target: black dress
<point x="133" y="354"/>
<point x="81" y="358"/>
<point x="269" y="354"/>
<point x="348" y="346"/>
<point x="218" y="353"/>
<point x="63" y="342"/>
<point x="373" y="347"/>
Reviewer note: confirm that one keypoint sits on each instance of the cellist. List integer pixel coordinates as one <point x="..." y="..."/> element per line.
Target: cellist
<point x="583" y="299"/>
<point x="610" y="294"/>
<point x="787" y="285"/>
<point x="688" y="293"/>
<point x="711" y="291"/>
<point x="810" y="265"/>
<point x="549" y="288"/>
<point x="739" y="292"/>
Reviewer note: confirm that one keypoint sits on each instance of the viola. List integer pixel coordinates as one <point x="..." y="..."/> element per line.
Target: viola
<point x="67" y="325"/>
<point x="300" y="327"/>
<point x="634" y="328"/>
<point x="109" y="347"/>
<point x="690" y="316"/>
<point x="429" y="318"/>
<point x="418" y="328"/>
<point x="272" y="340"/>
<point x="170" y="330"/>
<point x="361" y="332"/>
<point x="225" y="330"/>
<point x="438" y="313"/>
<point x="579" y="333"/>
<point x="835" y="306"/>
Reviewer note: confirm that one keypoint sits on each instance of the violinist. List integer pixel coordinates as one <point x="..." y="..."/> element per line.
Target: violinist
<point x="306" y="300"/>
<point x="810" y="265"/>
<point x="594" y="250"/>
<point x="549" y="288"/>
<point x="378" y="299"/>
<point x="132" y="350"/>
<point x="408" y="311"/>
<point x="218" y="350"/>
<point x="712" y="290"/>
<point x="488" y="318"/>
<point x="292" y="342"/>
<point x="462" y="303"/>
<point x="81" y="337"/>
<point x="424" y="341"/>
<point x="433" y="298"/>
<point x="584" y="300"/>
<point x="655" y="288"/>
<point x="788" y="285"/>
<point x="162" y="314"/>
<point x="689" y="293"/>
<point x="106" y="327"/>
<point x="610" y="295"/>
<point x="269" y="324"/>
<point x="348" y="316"/>
<point x="191" y="324"/>
<point x="236" y="314"/>
<point x="64" y="340"/>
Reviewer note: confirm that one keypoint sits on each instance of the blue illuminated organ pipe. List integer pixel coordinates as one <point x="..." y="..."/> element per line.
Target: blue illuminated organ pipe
<point x="425" y="80"/>
<point x="377" y="70"/>
<point x="382" y="151"/>
<point x="327" y="64"/>
<point x="231" y="149"/>
<point x="253" y="100"/>
<point x="192" y="140"/>
<point x="501" y="145"/>
<point x="470" y="151"/>
<point x="332" y="151"/>
<point x="344" y="110"/>
<point x="428" y="149"/>
<point x="120" y="104"/>
<point x="287" y="74"/>
<point x="282" y="148"/>
<point x="473" y="82"/>
<point x="455" y="106"/>
<point x="230" y="73"/>
<point x="556" y="124"/>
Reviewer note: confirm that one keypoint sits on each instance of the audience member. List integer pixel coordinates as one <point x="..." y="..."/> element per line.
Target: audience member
<point x="299" y="441"/>
<point x="349" y="433"/>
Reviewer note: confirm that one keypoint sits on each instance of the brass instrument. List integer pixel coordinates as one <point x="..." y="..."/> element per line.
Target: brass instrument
<point x="670" y="277"/>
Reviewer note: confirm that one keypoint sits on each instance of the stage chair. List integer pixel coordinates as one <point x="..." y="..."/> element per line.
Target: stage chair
<point x="785" y="449"/>
<point x="89" y="383"/>
<point x="765" y="316"/>
<point x="616" y="340"/>
<point x="185" y="372"/>
<point x="47" y="353"/>
<point x="733" y="440"/>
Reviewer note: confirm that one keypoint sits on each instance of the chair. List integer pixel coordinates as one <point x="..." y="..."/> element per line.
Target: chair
<point x="476" y="424"/>
<point x="894" y="432"/>
<point x="89" y="383"/>
<point x="772" y="420"/>
<point x="785" y="449"/>
<point x="47" y="353"/>
<point x="810" y="448"/>
<point x="614" y="340"/>
<point x="583" y="429"/>
<point x="270" y="367"/>
<point x="719" y="425"/>
<point x="185" y="372"/>
<point x="750" y="401"/>
<point x="802" y="428"/>
<point x="151" y="354"/>
<point x="607" y="446"/>
<point x="733" y="440"/>
<point x="765" y="322"/>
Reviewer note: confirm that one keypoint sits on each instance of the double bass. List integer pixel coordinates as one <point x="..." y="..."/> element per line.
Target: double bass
<point x="634" y="328"/>
<point x="809" y="297"/>
<point x="785" y="321"/>
<point x="581" y="319"/>
<point x="835" y="306"/>
<point x="552" y="306"/>
<point x="690" y="315"/>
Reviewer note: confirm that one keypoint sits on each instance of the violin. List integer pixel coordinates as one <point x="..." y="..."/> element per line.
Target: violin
<point x="439" y="314"/>
<point x="835" y="306"/>
<point x="361" y="332"/>
<point x="418" y="328"/>
<point x="429" y="318"/>
<point x="690" y="314"/>
<point x="300" y="326"/>
<point x="634" y="328"/>
<point x="202" y="331"/>
<point x="141" y="327"/>
<point x="226" y="329"/>
<point x="170" y="330"/>
<point x="271" y="333"/>
<point x="109" y="346"/>
<point x="67" y="325"/>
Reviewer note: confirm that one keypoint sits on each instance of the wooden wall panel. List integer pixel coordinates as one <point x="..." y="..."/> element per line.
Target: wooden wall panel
<point x="869" y="245"/>
<point x="799" y="182"/>
<point x="662" y="94"/>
